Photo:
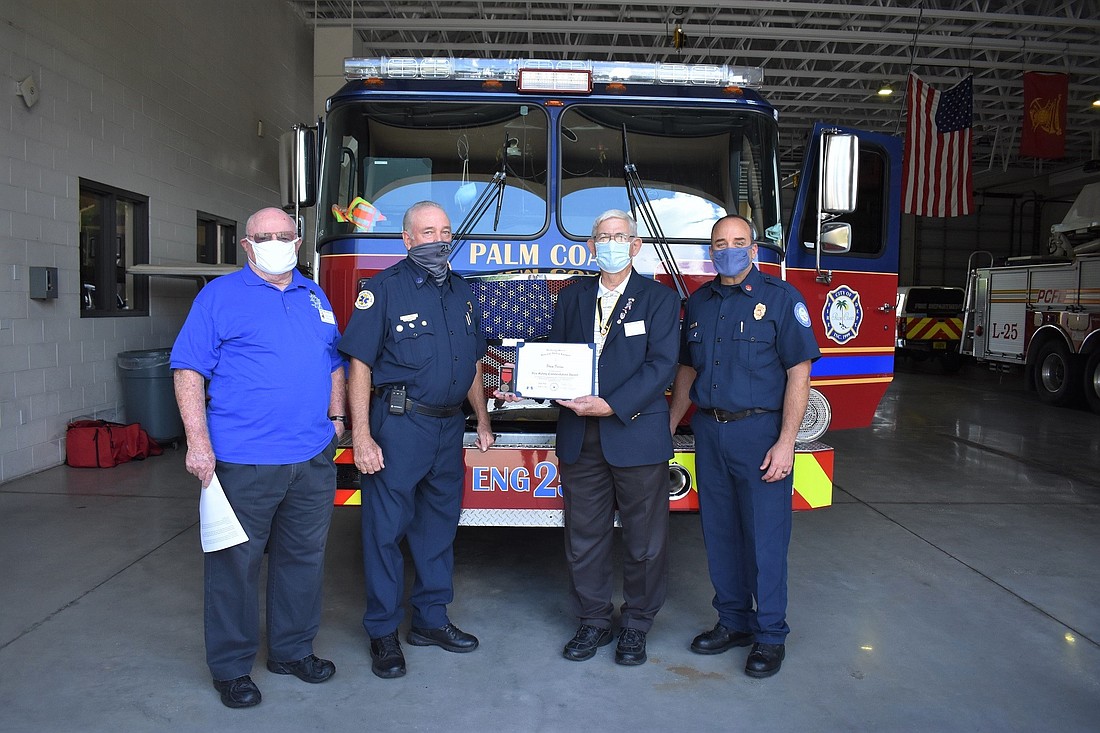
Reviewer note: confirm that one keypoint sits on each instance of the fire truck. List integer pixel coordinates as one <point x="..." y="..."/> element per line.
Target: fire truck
<point x="524" y="154"/>
<point x="1043" y="313"/>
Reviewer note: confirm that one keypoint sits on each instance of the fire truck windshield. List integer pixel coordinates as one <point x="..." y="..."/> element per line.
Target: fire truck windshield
<point x="382" y="157"/>
<point x="695" y="164"/>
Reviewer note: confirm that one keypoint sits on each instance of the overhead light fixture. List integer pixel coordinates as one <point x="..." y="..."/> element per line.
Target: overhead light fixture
<point x="886" y="89"/>
<point x="1096" y="103"/>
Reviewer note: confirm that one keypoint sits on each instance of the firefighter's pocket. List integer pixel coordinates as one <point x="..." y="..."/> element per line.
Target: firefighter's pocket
<point x="413" y="341"/>
<point x="694" y="340"/>
<point x="756" y="345"/>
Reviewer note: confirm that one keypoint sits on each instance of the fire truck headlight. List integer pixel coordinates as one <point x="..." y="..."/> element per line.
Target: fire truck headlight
<point x="817" y="418"/>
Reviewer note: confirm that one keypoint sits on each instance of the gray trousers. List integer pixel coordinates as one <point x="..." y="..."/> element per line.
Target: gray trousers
<point x="592" y="488"/>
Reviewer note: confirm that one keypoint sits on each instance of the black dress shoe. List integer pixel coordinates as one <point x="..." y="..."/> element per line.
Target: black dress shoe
<point x="450" y="637"/>
<point x="387" y="661"/>
<point x="631" y="647"/>
<point x="238" y="693"/>
<point x="719" y="639"/>
<point x="585" y="642"/>
<point x="764" y="660"/>
<point x="307" y="669"/>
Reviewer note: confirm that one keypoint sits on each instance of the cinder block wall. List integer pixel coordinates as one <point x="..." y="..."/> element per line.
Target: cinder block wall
<point x="159" y="98"/>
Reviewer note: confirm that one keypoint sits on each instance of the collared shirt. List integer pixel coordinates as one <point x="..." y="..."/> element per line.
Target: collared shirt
<point x="606" y="302"/>
<point x="741" y="339"/>
<point x="414" y="333"/>
<point x="269" y="355"/>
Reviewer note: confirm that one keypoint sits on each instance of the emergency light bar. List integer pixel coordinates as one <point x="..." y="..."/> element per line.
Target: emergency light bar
<point x="571" y="72"/>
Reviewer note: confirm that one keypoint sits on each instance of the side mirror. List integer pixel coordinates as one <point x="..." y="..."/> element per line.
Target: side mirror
<point x="298" y="167"/>
<point x="836" y="237"/>
<point x="839" y="173"/>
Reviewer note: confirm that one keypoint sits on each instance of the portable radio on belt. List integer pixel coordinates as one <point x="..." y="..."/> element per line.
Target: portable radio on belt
<point x="397" y="401"/>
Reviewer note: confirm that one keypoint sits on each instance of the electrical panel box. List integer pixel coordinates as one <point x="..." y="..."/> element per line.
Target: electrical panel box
<point x="43" y="282"/>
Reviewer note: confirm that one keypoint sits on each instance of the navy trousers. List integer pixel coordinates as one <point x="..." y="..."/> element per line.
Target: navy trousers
<point x="416" y="497"/>
<point x="285" y="509"/>
<point x="746" y="523"/>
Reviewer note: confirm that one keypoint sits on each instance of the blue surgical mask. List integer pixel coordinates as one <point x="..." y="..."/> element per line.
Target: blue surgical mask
<point x="731" y="261"/>
<point x="613" y="256"/>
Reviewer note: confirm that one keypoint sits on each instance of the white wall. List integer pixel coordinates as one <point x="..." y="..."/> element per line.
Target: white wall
<point x="159" y="98"/>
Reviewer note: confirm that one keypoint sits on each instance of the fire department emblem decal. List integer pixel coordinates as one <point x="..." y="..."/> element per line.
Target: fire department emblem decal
<point x="365" y="300"/>
<point x="842" y="314"/>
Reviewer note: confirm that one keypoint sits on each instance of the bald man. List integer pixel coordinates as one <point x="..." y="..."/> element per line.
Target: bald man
<point x="265" y="340"/>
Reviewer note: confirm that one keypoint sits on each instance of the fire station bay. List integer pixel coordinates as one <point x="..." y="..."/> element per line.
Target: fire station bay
<point x="917" y="190"/>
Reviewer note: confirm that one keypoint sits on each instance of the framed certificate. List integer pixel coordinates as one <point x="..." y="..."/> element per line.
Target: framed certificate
<point x="554" y="371"/>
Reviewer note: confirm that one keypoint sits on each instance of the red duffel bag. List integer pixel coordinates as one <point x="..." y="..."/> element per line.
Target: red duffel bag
<point x="102" y="444"/>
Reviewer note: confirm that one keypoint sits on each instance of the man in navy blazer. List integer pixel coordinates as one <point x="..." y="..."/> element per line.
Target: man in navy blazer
<point x="613" y="447"/>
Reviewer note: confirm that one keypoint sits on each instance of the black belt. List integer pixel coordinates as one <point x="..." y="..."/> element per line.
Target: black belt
<point x="419" y="407"/>
<point x="727" y="416"/>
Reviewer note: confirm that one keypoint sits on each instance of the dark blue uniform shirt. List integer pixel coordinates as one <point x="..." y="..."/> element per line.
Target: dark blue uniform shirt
<point x="415" y="334"/>
<point x="741" y="339"/>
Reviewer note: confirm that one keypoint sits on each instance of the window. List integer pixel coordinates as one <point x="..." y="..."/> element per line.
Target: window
<point x="384" y="156"/>
<point x="694" y="165"/>
<point x="216" y="239"/>
<point x="114" y="234"/>
<point x="869" y="219"/>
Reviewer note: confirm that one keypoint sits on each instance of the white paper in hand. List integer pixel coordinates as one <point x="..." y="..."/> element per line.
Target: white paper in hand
<point x="219" y="527"/>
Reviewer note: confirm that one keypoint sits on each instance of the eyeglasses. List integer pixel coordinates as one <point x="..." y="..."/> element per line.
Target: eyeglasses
<point x="268" y="236"/>
<point x="620" y="237"/>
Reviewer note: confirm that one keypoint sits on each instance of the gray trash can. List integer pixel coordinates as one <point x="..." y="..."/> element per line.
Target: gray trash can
<point x="148" y="396"/>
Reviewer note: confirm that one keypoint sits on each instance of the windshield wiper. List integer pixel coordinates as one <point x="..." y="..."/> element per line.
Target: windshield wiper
<point x="640" y="204"/>
<point x="494" y="192"/>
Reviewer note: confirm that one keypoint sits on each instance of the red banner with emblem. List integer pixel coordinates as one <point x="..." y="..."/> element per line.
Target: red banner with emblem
<point x="1044" y="133"/>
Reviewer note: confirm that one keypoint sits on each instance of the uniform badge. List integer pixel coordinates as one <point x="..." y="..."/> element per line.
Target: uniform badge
<point x="802" y="314"/>
<point x="748" y="288"/>
<point x="842" y="314"/>
<point x="365" y="300"/>
<point x="759" y="311"/>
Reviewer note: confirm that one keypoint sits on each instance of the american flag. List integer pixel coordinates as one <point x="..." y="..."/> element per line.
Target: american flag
<point x="938" y="147"/>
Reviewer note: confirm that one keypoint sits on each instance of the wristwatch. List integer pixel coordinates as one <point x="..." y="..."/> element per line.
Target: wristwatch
<point x="339" y="418"/>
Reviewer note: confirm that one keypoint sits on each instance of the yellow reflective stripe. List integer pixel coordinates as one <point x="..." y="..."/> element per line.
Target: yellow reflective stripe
<point x="811" y="482"/>
<point x="355" y="499"/>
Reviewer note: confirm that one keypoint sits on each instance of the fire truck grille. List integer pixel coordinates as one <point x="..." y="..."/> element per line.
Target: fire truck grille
<point x="516" y="309"/>
<point x="519" y="308"/>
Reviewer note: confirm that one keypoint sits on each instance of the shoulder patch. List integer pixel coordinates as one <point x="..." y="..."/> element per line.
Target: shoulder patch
<point x="365" y="300"/>
<point x="802" y="314"/>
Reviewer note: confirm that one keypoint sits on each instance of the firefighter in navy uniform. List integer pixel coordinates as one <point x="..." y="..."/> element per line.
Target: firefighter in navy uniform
<point x="414" y="344"/>
<point x="746" y="351"/>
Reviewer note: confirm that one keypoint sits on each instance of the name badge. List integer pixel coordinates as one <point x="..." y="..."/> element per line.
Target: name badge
<point x="327" y="316"/>
<point x="634" y="328"/>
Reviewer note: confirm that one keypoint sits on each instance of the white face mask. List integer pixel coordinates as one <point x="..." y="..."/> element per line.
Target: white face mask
<point x="275" y="257"/>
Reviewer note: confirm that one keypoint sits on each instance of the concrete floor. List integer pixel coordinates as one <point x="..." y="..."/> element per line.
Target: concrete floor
<point x="954" y="585"/>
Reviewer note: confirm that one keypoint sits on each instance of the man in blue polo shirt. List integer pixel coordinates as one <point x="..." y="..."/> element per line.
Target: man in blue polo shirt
<point x="746" y="351"/>
<point x="265" y="338"/>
